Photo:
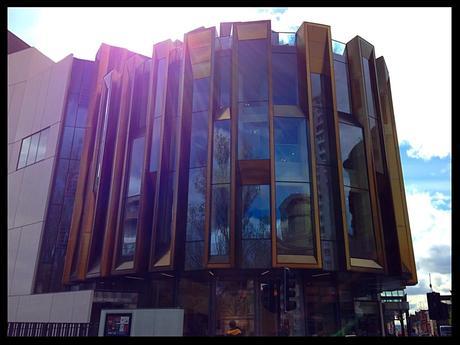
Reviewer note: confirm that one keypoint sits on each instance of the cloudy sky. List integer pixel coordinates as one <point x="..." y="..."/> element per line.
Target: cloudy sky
<point x="416" y="44"/>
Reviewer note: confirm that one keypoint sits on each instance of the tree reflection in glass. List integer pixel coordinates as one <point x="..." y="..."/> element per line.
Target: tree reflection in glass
<point x="221" y="152"/>
<point x="220" y="217"/>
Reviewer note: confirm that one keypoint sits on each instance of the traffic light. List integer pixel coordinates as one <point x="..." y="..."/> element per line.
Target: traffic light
<point x="270" y="296"/>
<point x="289" y="290"/>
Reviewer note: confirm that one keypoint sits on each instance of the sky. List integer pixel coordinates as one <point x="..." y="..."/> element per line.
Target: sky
<point x="416" y="44"/>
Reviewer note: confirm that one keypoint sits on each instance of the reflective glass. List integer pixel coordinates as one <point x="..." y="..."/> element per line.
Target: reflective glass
<point x="359" y="222"/>
<point x="33" y="148"/>
<point x="326" y="189"/>
<point x="221" y="152"/>
<point x="200" y="94"/>
<point x="338" y="47"/>
<point x="322" y="120"/>
<point x="71" y="112"/>
<point x="135" y="169"/>
<point x="284" y="74"/>
<point x="220" y="220"/>
<point x="163" y="238"/>
<point x="77" y="144"/>
<point x="291" y="150"/>
<point x="24" y="151"/>
<point x="255" y="216"/>
<point x="256" y="253"/>
<point x="130" y="228"/>
<point x="353" y="156"/>
<point x="293" y="219"/>
<point x="342" y="87"/>
<point x="368" y="86"/>
<point x="376" y="145"/>
<point x="66" y="142"/>
<point x="196" y="204"/>
<point x="60" y="180"/>
<point x="194" y="255"/>
<point x="199" y="140"/>
<point x="253" y="137"/>
<point x="320" y="90"/>
<point x="155" y="149"/>
<point x="160" y="87"/>
<point x="82" y="113"/>
<point x="72" y="178"/>
<point x="223" y="65"/>
<point x="252" y="70"/>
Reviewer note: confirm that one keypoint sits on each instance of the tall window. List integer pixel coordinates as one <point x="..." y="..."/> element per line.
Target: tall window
<point x="284" y="74"/>
<point x="253" y="135"/>
<point x="33" y="148"/>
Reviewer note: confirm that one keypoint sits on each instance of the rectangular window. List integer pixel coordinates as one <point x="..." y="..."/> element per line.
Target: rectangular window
<point x="160" y="87"/>
<point x="131" y="214"/>
<point x="155" y="149"/>
<point x="221" y="152"/>
<point x="253" y="135"/>
<point x="223" y="70"/>
<point x="295" y="235"/>
<point x="135" y="169"/>
<point x="199" y="140"/>
<point x="342" y="87"/>
<point x="368" y="86"/>
<point x="33" y="148"/>
<point x="200" y="94"/>
<point x="284" y="69"/>
<point x="320" y="90"/>
<point x="291" y="149"/>
<point x="322" y="120"/>
<point x="253" y="70"/>
<point x="376" y="145"/>
<point x="196" y="204"/>
<point x="220" y="221"/>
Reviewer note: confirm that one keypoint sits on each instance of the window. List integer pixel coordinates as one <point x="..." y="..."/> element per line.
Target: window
<point x="376" y="145"/>
<point x="221" y="152"/>
<point x="293" y="219"/>
<point x="320" y="90"/>
<point x="200" y="94"/>
<point x="220" y="221"/>
<point x="199" y="140"/>
<point x="253" y="131"/>
<point x="284" y="68"/>
<point x="252" y="70"/>
<point x="291" y="150"/>
<point x="33" y="148"/>
<point x="160" y="87"/>
<point x="368" y="86"/>
<point x="342" y="87"/>
<point x="223" y="74"/>
<point x="155" y="150"/>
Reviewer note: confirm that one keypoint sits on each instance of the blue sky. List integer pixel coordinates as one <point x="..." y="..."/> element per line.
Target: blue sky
<point x="420" y="80"/>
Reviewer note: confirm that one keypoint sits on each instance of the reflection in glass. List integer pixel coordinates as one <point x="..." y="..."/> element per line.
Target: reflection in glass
<point x="223" y="74"/>
<point x="220" y="220"/>
<point x="353" y="156"/>
<point x="253" y="131"/>
<point x="320" y="90"/>
<point x="193" y="297"/>
<point x="200" y="94"/>
<point x="291" y="150"/>
<point x="129" y="229"/>
<point x="326" y="202"/>
<point x="77" y="144"/>
<point x="155" y="149"/>
<point x="293" y="219"/>
<point x="135" y="169"/>
<point x="196" y="204"/>
<point x="359" y="221"/>
<point x="368" y="86"/>
<point x="33" y="148"/>
<point x="323" y="145"/>
<point x="342" y="87"/>
<point x="256" y="253"/>
<point x="284" y="74"/>
<point x="255" y="218"/>
<point x="24" y="151"/>
<point x="221" y="152"/>
<point x="194" y="255"/>
<point x="163" y="238"/>
<point x="253" y="70"/>
<point x="199" y="140"/>
<point x="66" y="143"/>
<point x="376" y="145"/>
<point x="160" y="87"/>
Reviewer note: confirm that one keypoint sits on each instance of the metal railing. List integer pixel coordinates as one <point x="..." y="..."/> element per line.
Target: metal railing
<point x="51" y="329"/>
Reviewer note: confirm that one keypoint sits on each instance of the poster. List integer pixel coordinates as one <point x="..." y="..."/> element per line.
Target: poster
<point x="117" y="325"/>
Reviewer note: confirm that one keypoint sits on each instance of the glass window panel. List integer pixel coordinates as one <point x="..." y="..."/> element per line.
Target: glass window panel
<point x="353" y="156"/>
<point x="77" y="144"/>
<point x="253" y="137"/>
<point x="342" y="87"/>
<point x="24" y="151"/>
<point x="221" y="152"/>
<point x="320" y="90"/>
<point x="329" y="255"/>
<point x="293" y="219"/>
<point x="376" y="144"/>
<point x="255" y="219"/>
<point x="72" y="178"/>
<point x="194" y="255"/>
<point x="359" y="223"/>
<point x="60" y="180"/>
<point x="196" y="204"/>
<point x="160" y="87"/>
<point x="155" y="149"/>
<point x="253" y="70"/>
<point x="72" y="106"/>
<point x="173" y="144"/>
<point x="200" y="94"/>
<point x="220" y="220"/>
<point x="82" y="113"/>
<point x="128" y="246"/>
<point x="322" y="118"/>
<point x="368" y="86"/>
<point x="326" y="203"/>
<point x="199" y="140"/>
<point x="135" y="169"/>
<point x="42" y="144"/>
<point x="284" y="71"/>
<point x="163" y="239"/>
<point x="66" y="142"/>
<point x="223" y="65"/>
<point x="33" y="148"/>
<point x="256" y="253"/>
<point x="193" y="297"/>
<point x="291" y="150"/>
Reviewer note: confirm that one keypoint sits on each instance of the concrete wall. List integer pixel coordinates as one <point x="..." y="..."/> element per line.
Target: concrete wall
<point x="74" y="306"/>
<point x="37" y="90"/>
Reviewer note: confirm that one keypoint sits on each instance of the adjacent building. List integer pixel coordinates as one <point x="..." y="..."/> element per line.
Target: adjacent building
<point x="195" y="177"/>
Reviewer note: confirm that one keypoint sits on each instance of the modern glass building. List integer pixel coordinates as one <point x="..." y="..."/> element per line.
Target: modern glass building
<point x="203" y="174"/>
